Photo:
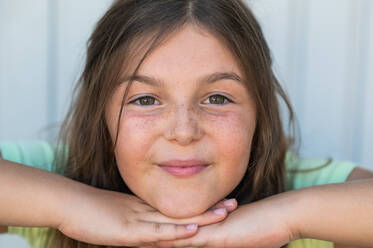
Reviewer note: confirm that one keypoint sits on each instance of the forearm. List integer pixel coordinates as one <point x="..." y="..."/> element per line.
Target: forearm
<point x="341" y="213"/>
<point x="30" y="196"/>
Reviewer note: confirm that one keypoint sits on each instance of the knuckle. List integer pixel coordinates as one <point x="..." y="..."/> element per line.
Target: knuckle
<point x="178" y="232"/>
<point x="130" y="236"/>
<point x="157" y="228"/>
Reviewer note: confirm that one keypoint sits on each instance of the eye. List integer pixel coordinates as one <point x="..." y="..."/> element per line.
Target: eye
<point x="216" y="99"/>
<point x="219" y="99"/>
<point x="143" y="101"/>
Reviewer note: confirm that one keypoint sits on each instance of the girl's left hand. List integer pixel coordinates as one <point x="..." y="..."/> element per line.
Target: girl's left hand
<point x="265" y="223"/>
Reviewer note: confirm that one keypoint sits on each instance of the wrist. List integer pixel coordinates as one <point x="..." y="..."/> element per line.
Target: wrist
<point x="304" y="206"/>
<point x="71" y="192"/>
<point x="294" y="205"/>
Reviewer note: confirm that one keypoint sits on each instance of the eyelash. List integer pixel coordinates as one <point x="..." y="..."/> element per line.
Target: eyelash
<point x="226" y="100"/>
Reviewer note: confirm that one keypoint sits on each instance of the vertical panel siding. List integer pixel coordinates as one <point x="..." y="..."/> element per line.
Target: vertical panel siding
<point x="52" y="72"/>
<point x="367" y="91"/>
<point x="325" y="123"/>
<point x="354" y="80"/>
<point x="74" y="22"/>
<point x="23" y="68"/>
<point x="322" y="69"/>
<point x="360" y="76"/>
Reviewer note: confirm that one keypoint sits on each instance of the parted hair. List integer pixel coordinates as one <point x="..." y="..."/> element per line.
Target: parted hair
<point x="130" y="26"/>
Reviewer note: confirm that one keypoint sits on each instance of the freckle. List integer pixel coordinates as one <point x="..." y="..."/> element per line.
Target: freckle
<point x="146" y="122"/>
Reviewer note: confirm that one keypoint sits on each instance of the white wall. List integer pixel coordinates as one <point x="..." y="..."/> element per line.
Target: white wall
<point x="323" y="56"/>
<point x="42" y="46"/>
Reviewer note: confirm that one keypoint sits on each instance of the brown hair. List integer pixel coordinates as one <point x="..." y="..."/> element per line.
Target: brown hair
<point x="132" y="25"/>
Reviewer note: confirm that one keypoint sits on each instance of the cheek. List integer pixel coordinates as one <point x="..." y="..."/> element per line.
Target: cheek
<point x="233" y="136"/>
<point x="136" y="136"/>
<point x="233" y="132"/>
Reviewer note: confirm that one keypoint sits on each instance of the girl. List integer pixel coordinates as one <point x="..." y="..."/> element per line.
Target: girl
<point x="177" y="105"/>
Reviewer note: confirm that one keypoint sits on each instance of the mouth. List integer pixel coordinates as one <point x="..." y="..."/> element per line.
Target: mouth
<point x="183" y="171"/>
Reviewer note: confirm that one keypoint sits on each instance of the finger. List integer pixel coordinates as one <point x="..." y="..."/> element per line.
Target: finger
<point x="229" y="204"/>
<point x="194" y="241"/>
<point x="149" y="232"/>
<point x="206" y="218"/>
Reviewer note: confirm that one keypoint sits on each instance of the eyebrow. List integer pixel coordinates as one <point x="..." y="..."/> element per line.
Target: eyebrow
<point x="207" y="79"/>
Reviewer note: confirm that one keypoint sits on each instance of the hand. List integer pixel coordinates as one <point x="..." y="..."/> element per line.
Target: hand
<point x="105" y="217"/>
<point x="262" y="224"/>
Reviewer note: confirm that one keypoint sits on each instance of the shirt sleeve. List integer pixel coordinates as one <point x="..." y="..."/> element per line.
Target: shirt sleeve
<point x="37" y="154"/>
<point x="310" y="243"/>
<point x="306" y="172"/>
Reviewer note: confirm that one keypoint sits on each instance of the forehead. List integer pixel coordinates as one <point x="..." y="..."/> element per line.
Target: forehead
<point x="186" y="54"/>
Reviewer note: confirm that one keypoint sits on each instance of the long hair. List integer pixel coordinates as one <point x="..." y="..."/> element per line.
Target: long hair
<point x="130" y="26"/>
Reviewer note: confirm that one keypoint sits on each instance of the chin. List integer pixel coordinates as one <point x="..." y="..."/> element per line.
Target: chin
<point x="175" y="209"/>
<point x="180" y="213"/>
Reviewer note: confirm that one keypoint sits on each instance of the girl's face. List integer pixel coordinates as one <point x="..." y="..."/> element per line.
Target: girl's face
<point x="187" y="104"/>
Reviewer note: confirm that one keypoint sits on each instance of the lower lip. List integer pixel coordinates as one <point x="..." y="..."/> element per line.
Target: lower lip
<point x="183" y="171"/>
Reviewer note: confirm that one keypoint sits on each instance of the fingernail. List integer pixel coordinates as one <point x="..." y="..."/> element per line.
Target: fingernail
<point x="191" y="226"/>
<point x="220" y="211"/>
<point x="230" y="203"/>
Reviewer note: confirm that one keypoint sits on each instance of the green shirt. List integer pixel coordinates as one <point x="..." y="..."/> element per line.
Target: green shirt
<point x="40" y="154"/>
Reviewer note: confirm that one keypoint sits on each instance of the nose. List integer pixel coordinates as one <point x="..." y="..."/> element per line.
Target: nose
<point x="183" y="126"/>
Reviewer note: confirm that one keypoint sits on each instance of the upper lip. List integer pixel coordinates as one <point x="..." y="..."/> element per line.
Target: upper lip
<point x="184" y="163"/>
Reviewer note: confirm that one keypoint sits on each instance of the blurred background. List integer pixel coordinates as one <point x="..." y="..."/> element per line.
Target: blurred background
<point x="322" y="50"/>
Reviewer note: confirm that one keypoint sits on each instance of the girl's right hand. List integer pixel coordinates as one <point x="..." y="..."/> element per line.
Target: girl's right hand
<point x="104" y="217"/>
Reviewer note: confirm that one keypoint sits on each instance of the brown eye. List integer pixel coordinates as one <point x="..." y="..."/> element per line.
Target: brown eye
<point x="218" y="99"/>
<point x="144" y="101"/>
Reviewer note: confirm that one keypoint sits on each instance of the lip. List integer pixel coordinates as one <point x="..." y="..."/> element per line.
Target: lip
<point x="184" y="163"/>
<point x="188" y="171"/>
<point x="183" y="168"/>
